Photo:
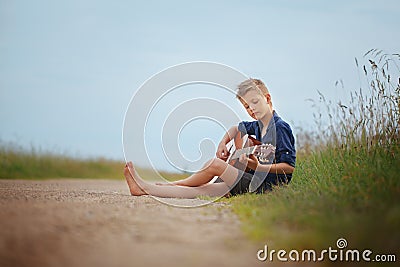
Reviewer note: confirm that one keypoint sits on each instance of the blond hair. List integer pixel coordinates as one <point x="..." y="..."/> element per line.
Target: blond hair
<point x="251" y="84"/>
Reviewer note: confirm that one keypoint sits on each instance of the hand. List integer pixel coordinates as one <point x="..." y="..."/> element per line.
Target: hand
<point x="222" y="151"/>
<point x="250" y="161"/>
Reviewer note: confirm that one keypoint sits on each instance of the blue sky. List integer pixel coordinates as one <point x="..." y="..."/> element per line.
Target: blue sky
<point x="68" y="69"/>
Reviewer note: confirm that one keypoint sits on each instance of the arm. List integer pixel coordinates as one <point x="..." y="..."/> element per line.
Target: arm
<point x="222" y="151"/>
<point x="229" y="135"/>
<point x="278" y="168"/>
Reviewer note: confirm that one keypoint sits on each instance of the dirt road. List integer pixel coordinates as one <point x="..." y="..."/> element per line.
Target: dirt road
<point x="97" y="223"/>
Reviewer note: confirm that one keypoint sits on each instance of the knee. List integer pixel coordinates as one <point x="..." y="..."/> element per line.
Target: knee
<point x="217" y="165"/>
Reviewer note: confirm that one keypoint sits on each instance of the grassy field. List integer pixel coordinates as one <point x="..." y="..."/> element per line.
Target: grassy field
<point x="346" y="183"/>
<point x="351" y="194"/>
<point x="19" y="163"/>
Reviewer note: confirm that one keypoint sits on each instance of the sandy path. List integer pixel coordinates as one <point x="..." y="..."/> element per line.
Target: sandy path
<point x="97" y="223"/>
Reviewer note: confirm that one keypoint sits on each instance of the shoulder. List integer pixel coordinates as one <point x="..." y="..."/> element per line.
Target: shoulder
<point x="285" y="143"/>
<point x="283" y="131"/>
<point x="282" y="125"/>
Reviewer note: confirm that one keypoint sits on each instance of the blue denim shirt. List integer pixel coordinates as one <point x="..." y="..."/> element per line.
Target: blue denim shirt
<point x="280" y="135"/>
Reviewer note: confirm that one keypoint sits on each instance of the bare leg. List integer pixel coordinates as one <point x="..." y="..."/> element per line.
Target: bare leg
<point x="139" y="187"/>
<point x="214" y="167"/>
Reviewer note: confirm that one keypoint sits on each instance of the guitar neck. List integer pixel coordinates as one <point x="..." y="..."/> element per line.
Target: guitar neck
<point x="247" y="151"/>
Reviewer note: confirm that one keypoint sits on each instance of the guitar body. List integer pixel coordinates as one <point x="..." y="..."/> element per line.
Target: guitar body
<point x="247" y="145"/>
<point x="241" y="142"/>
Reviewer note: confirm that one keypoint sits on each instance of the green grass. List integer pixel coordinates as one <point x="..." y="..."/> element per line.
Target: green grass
<point x="347" y="178"/>
<point x="355" y="195"/>
<point x="18" y="163"/>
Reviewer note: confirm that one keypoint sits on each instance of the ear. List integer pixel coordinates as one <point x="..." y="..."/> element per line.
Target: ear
<point x="244" y="103"/>
<point x="268" y="97"/>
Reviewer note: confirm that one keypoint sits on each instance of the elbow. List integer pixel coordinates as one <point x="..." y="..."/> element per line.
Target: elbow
<point x="291" y="169"/>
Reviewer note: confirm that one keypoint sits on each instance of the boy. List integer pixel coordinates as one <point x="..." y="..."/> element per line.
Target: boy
<point x="254" y="96"/>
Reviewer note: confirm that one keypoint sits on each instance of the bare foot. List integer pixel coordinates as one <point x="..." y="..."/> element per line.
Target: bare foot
<point x="134" y="188"/>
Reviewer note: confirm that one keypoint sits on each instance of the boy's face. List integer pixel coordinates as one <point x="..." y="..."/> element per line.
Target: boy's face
<point x="256" y="105"/>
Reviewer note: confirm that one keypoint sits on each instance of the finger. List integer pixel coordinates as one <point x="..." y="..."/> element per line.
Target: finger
<point x="243" y="158"/>
<point x="252" y="157"/>
<point x="220" y="153"/>
<point x="251" y="161"/>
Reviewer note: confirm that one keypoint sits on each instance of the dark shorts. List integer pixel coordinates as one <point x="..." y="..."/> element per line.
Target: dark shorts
<point x="242" y="185"/>
<point x="244" y="179"/>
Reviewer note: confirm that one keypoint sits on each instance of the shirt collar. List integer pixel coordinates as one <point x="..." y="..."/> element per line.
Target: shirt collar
<point x="274" y="115"/>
